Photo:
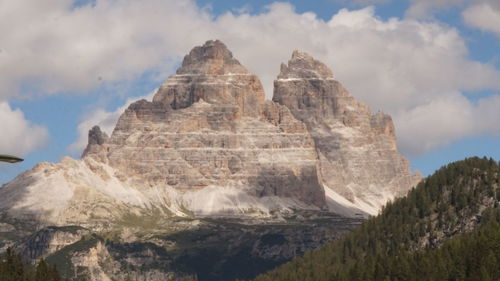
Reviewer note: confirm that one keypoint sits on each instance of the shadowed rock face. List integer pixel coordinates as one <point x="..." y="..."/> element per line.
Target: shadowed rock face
<point x="96" y="139"/>
<point x="51" y="239"/>
<point x="209" y="144"/>
<point x="284" y="182"/>
<point x="357" y="151"/>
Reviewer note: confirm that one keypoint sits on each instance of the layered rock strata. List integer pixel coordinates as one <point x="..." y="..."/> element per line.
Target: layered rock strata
<point x="357" y="151"/>
<point x="208" y="144"/>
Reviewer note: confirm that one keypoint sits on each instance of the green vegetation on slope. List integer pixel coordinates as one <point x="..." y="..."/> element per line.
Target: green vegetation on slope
<point x="62" y="258"/>
<point x="447" y="228"/>
<point x="12" y="268"/>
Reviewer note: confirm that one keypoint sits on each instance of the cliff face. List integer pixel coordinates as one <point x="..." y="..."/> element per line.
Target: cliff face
<point x="209" y="128"/>
<point x="209" y="144"/>
<point x="357" y="151"/>
<point x="209" y="249"/>
<point x="51" y="239"/>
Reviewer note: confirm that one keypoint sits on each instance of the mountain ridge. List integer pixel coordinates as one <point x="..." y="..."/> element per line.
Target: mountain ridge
<point x="210" y="144"/>
<point x="209" y="168"/>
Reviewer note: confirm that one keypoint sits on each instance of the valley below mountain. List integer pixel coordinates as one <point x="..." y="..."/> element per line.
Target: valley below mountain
<point x="197" y="249"/>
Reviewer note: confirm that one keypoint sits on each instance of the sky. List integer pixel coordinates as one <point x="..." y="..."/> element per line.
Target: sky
<point x="433" y="65"/>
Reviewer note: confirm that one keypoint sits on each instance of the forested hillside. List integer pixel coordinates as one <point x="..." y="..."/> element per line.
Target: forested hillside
<point x="447" y="228"/>
<point x="13" y="268"/>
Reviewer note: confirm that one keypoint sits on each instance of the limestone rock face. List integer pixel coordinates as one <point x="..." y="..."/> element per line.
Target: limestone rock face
<point x="209" y="144"/>
<point x="51" y="239"/>
<point x="213" y="58"/>
<point x="304" y="66"/>
<point x="99" y="263"/>
<point x="357" y="151"/>
<point x="211" y="73"/>
<point x="208" y="127"/>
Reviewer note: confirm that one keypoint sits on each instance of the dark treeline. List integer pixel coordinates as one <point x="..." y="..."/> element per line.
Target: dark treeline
<point x="447" y="228"/>
<point x="12" y="268"/>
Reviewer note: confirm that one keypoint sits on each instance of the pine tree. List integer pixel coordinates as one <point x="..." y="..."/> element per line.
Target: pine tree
<point x="42" y="272"/>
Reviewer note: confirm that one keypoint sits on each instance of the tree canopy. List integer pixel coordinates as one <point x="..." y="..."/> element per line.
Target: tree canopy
<point x="446" y="228"/>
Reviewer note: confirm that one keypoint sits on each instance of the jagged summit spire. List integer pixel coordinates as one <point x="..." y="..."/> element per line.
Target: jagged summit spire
<point x="96" y="139"/>
<point x="211" y="73"/>
<point x="303" y="65"/>
<point x="213" y="58"/>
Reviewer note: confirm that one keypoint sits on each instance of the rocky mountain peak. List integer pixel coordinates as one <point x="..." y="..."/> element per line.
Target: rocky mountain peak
<point x="96" y="139"/>
<point x="302" y="65"/>
<point x="212" y="58"/>
<point x="96" y="136"/>
<point x="351" y="142"/>
<point x="209" y="144"/>
<point x="210" y="73"/>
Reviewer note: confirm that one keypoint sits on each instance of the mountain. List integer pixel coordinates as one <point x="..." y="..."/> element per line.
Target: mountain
<point x="210" y="144"/>
<point x="447" y="228"/>
<point x="209" y="180"/>
<point x="357" y="151"/>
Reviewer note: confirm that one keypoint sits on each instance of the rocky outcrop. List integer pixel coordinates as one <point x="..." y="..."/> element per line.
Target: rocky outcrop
<point x="211" y="250"/>
<point x="208" y="127"/>
<point x="210" y="72"/>
<point x="96" y="139"/>
<point x="209" y="144"/>
<point x="91" y="259"/>
<point x="51" y="239"/>
<point x="357" y="151"/>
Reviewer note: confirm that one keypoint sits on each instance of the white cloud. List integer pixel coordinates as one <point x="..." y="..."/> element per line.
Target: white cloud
<point x="50" y="46"/>
<point x="19" y="136"/>
<point x="447" y="119"/>
<point x="402" y="66"/>
<point x="484" y="16"/>
<point x="106" y="120"/>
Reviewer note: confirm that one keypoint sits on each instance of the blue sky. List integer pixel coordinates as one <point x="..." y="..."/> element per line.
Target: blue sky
<point x="433" y="65"/>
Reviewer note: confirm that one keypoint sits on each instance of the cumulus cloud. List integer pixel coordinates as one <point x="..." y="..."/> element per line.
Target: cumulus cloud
<point x="52" y="46"/>
<point x="446" y="119"/>
<point x="19" y="136"/>
<point x="484" y="16"/>
<point x="402" y="66"/>
<point x="106" y="120"/>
